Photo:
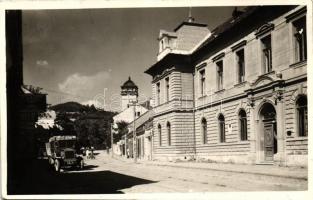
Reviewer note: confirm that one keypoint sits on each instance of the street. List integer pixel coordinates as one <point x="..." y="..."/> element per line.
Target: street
<point x="106" y="175"/>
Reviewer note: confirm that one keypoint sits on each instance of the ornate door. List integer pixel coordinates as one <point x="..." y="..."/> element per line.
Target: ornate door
<point x="268" y="140"/>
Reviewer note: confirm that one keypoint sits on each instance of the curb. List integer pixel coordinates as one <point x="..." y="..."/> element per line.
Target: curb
<point x="233" y="171"/>
<point x="222" y="170"/>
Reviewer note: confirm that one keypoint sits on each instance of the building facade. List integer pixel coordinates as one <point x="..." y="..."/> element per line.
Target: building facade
<point x="239" y="94"/>
<point x="144" y="128"/>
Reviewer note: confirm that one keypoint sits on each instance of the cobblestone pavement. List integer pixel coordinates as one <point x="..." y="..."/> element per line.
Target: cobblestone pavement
<point x="184" y="179"/>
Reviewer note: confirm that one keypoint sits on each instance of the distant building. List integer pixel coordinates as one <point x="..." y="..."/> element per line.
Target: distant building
<point x="129" y="93"/>
<point x="236" y="95"/>
<point x="144" y="126"/>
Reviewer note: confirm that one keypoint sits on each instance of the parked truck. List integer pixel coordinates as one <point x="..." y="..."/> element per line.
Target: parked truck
<point x="62" y="152"/>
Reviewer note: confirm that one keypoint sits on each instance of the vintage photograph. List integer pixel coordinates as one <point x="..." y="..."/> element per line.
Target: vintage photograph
<point x="156" y="99"/>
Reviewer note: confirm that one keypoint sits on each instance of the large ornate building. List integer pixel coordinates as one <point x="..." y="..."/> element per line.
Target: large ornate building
<point x="236" y="93"/>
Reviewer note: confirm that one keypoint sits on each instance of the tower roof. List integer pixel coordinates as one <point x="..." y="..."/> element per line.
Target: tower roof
<point x="129" y="84"/>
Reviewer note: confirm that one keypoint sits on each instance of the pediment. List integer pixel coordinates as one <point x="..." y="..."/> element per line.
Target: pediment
<point x="262" y="80"/>
<point x="264" y="29"/>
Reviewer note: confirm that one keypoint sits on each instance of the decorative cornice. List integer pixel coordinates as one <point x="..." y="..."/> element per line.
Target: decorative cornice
<point x="239" y="45"/>
<point x="264" y="29"/>
<point x="164" y="73"/>
<point x="201" y="66"/>
<point x="295" y="14"/>
<point x="219" y="56"/>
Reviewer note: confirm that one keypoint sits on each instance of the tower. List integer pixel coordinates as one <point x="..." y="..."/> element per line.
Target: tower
<point x="129" y="92"/>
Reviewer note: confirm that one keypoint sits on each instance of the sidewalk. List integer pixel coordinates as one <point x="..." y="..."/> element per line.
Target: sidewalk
<point x="267" y="170"/>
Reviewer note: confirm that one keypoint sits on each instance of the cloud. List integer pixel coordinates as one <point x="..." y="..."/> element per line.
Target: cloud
<point x="82" y="85"/>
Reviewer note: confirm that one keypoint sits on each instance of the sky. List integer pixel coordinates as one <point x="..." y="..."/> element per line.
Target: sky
<point x="85" y="55"/>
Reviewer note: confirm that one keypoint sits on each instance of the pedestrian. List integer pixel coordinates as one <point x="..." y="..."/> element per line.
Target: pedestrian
<point x="87" y="153"/>
<point x="91" y="153"/>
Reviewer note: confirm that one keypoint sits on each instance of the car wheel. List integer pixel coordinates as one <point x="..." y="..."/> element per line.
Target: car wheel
<point x="57" y="165"/>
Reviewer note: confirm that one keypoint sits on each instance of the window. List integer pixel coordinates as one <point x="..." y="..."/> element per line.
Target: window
<point x="299" y="33"/>
<point x="158" y="93"/>
<point x="138" y="114"/>
<point x="219" y="65"/>
<point x="167" y="83"/>
<point x="168" y="127"/>
<point x="240" y="58"/>
<point x="202" y="82"/>
<point x="243" y="125"/>
<point x="204" y="130"/>
<point x="302" y="115"/>
<point x="221" y="125"/>
<point x="160" y="135"/>
<point x="266" y="54"/>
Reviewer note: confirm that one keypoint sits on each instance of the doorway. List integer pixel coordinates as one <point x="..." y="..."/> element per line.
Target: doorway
<point x="268" y="137"/>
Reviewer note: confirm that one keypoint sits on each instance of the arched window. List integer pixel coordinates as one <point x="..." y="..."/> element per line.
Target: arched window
<point x="160" y="134"/>
<point x="168" y="128"/>
<point x="243" y="125"/>
<point x="204" y="130"/>
<point x="302" y="115"/>
<point x="221" y="127"/>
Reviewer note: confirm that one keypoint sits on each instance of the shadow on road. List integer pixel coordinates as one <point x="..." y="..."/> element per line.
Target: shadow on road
<point x="86" y="167"/>
<point x="39" y="178"/>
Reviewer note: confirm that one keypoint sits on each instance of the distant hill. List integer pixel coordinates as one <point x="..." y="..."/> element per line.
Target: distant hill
<point x="69" y="107"/>
<point x="77" y="107"/>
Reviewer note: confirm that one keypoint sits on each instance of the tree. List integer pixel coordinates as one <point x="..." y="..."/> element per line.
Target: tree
<point x="33" y="89"/>
<point x="66" y="123"/>
<point x="121" y="130"/>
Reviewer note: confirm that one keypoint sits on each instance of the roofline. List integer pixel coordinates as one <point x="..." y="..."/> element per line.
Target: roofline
<point x="190" y="24"/>
<point x="167" y="57"/>
<point x="251" y="10"/>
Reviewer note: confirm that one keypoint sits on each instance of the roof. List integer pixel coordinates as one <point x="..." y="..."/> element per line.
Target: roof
<point x="251" y="14"/>
<point x="142" y="119"/>
<point x="129" y="84"/>
<point x="189" y="24"/>
<point x="62" y="137"/>
<point x="239" y="19"/>
<point x="170" y="57"/>
<point x="228" y="24"/>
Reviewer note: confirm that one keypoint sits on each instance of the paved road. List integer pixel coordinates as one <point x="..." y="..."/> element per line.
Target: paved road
<point x="105" y="175"/>
<point x="171" y="179"/>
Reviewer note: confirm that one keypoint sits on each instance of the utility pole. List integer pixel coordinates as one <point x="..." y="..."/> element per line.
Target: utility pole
<point x="134" y="103"/>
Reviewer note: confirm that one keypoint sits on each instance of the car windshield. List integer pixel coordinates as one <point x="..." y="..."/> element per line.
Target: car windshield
<point x="66" y="143"/>
<point x="70" y="143"/>
<point x="62" y="143"/>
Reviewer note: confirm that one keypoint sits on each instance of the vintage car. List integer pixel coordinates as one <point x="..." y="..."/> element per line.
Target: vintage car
<point x="62" y="152"/>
